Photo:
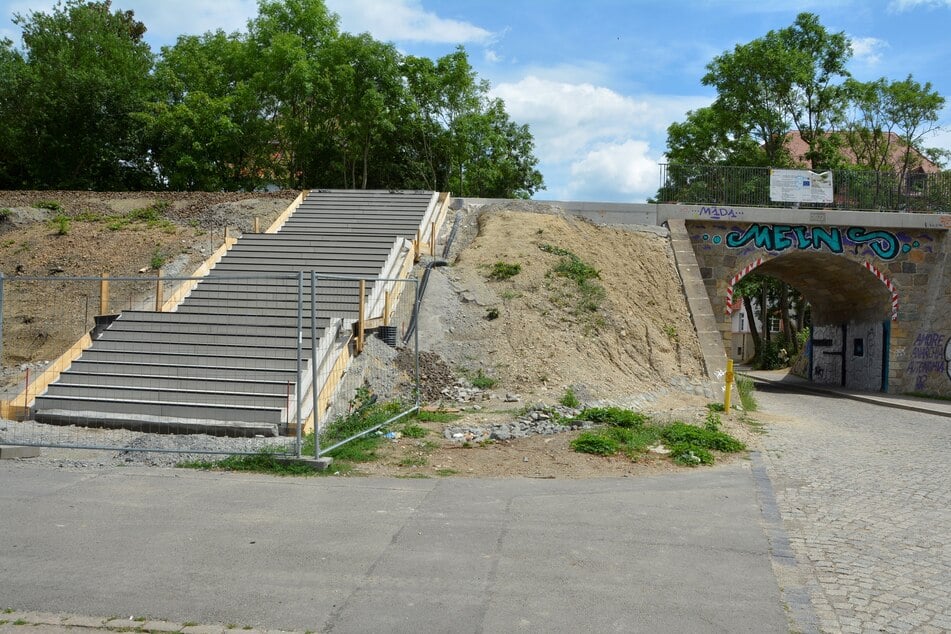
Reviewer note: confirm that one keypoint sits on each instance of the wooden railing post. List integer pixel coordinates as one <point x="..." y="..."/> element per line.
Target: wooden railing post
<point x="104" y="294"/>
<point x="159" y="291"/>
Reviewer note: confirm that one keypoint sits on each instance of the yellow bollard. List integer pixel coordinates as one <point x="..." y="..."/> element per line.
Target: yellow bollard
<point x="729" y="385"/>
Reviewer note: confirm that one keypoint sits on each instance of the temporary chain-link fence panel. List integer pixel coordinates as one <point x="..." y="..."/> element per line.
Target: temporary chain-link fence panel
<point x="146" y="369"/>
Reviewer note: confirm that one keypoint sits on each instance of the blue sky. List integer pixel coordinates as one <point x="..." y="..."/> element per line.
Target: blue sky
<point x="597" y="81"/>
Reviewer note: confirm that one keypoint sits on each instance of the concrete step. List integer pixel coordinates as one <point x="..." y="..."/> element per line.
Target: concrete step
<point x="167" y="395"/>
<point x="175" y="329"/>
<point x="287" y="352"/>
<point x="339" y="268"/>
<point x="248" y="362"/>
<point x="258" y="317"/>
<point x="259" y="339"/>
<point x="158" y="381"/>
<point x="133" y="367"/>
<point x="78" y="405"/>
<point x="286" y="306"/>
<point x="251" y="321"/>
<point x="158" y="424"/>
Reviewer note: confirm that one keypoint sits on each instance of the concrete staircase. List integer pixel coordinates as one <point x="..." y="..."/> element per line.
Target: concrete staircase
<point x="226" y="361"/>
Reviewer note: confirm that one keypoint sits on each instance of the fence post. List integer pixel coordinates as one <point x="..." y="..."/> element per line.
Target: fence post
<point x="1" y="319"/>
<point x="315" y="395"/>
<point x="104" y="294"/>
<point x="300" y="354"/>
<point x="386" y="308"/>
<point x="361" y="322"/>
<point x="257" y="224"/>
<point x="432" y="240"/>
<point x="416" y="343"/>
<point x="159" y="291"/>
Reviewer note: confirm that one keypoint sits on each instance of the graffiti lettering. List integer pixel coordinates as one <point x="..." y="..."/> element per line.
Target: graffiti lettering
<point x="928" y="356"/>
<point x="719" y="212"/>
<point x="883" y="244"/>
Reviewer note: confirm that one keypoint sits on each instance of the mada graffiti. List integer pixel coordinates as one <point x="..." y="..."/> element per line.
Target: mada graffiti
<point x="719" y="212"/>
<point x="778" y="238"/>
<point x="930" y="355"/>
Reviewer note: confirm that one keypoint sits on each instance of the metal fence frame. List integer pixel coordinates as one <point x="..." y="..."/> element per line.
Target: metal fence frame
<point x="408" y="304"/>
<point x="859" y="190"/>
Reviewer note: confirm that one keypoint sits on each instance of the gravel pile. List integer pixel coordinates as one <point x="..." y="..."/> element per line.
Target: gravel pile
<point x="540" y="420"/>
<point x="435" y="375"/>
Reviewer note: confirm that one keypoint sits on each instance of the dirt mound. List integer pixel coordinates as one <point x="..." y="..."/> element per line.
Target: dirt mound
<point x="625" y="329"/>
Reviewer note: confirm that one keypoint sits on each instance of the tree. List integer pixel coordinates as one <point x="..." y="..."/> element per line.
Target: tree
<point x="12" y="68"/>
<point x="86" y="73"/>
<point x="205" y="130"/>
<point x="815" y="101"/>
<point x="790" y="77"/>
<point x="287" y="39"/>
<point x="915" y="109"/>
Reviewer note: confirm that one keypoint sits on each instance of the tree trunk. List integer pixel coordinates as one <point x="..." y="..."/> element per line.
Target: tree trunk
<point x="757" y="343"/>
<point x="764" y="315"/>
<point x="787" y="322"/>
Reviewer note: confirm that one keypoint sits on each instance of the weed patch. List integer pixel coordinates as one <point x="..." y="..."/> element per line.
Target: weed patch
<point x="51" y="205"/>
<point x="437" y="417"/>
<point x="584" y="275"/>
<point x="481" y="381"/>
<point x="570" y="399"/>
<point x="595" y="443"/>
<point x="615" y="416"/>
<point x="747" y="391"/>
<point x="503" y="270"/>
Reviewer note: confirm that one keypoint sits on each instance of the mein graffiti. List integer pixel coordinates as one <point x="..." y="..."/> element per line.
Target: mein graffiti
<point x="884" y="244"/>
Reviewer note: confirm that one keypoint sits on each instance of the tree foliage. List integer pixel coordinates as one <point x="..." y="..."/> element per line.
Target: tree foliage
<point x="292" y="102"/>
<point x="795" y="79"/>
<point x="83" y="76"/>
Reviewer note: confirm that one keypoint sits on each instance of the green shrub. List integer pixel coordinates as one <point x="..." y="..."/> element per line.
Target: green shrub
<point x="52" y="205"/>
<point x="5" y="214"/>
<point x="595" y="443"/>
<point x="569" y="399"/>
<point x="503" y="270"/>
<point x="689" y="454"/>
<point x="411" y="430"/>
<point x="614" y="416"/>
<point x="158" y="259"/>
<point x="705" y="438"/>
<point x="481" y="381"/>
<point x="61" y="224"/>
<point x="746" y="389"/>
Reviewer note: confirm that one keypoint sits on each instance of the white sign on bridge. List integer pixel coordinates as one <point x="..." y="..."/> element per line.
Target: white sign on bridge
<point x="800" y="186"/>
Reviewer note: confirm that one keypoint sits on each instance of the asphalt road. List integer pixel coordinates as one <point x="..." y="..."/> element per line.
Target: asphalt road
<point x="680" y="553"/>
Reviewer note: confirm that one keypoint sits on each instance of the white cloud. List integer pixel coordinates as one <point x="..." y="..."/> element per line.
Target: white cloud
<point x="868" y="49"/>
<point x="592" y="141"/>
<point x="567" y="118"/>
<point x="492" y="57"/>
<point x="899" y="6"/>
<point x="628" y="169"/>
<point x="404" y="21"/>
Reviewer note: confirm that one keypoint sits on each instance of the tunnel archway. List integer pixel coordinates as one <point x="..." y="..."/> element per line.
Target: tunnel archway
<point x="852" y="307"/>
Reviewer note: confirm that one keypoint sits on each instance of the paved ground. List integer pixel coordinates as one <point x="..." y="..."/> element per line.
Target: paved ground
<point x="865" y="498"/>
<point x="840" y="526"/>
<point x="681" y="553"/>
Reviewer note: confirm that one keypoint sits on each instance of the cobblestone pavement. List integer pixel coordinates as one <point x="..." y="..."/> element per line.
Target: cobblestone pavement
<point x="865" y="498"/>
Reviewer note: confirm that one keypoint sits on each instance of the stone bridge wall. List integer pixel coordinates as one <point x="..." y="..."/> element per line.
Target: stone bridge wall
<point x="852" y="267"/>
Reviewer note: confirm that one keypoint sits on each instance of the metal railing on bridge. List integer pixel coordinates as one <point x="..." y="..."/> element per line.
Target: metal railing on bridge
<point x="852" y="189"/>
